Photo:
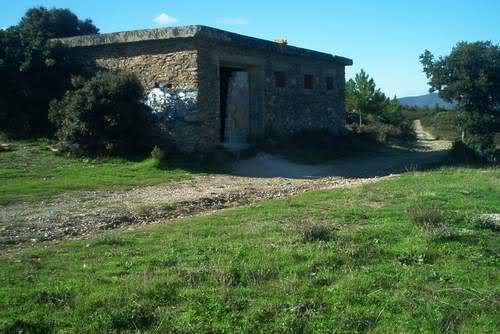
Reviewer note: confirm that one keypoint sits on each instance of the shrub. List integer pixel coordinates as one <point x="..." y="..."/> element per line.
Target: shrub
<point x="461" y="152"/>
<point x="385" y="132"/>
<point x="103" y="114"/>
<point x="388" y="127"/>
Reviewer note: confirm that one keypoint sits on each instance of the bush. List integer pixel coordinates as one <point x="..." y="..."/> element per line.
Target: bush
<point x="460" y="152"/>
<point x="383" y="132"/>
<point x="103" y="115"/>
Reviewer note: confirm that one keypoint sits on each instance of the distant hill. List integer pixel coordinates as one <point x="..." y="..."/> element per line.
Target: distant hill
<point x="429" y="100"/>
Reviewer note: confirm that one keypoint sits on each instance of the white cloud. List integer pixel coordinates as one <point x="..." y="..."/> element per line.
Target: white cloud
<point x="164" y="19"/>
<point x="234" y="21"/>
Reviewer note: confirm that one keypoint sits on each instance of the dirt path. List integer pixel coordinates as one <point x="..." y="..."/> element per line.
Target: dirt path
<point x="427" y="141"/>
<point x="74" y="215"/>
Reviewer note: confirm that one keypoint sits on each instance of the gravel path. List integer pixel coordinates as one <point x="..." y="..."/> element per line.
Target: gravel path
<point x="78" y="214"/>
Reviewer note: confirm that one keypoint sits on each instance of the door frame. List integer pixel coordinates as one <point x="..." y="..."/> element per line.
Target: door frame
<point x="256" y="77"/>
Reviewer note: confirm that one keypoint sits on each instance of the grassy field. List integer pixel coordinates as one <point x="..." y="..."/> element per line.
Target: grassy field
<point x="401" y="255"/>
<point x="32" y="171"/>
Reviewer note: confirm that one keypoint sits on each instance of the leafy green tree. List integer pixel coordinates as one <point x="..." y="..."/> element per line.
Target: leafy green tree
<point x="363" y="96"/>
<point x="34" y="70"/>
<point x="54" y="23"/>
<point x="470" y="76"/>
<point x="392" y="112"/>
<point x="379" y="117"/>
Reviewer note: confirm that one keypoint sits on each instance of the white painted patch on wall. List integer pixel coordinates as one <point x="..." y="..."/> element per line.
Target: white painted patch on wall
<point x="173" y="104"/>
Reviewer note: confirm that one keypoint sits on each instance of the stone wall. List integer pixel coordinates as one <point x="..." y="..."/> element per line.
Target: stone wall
<point x="173" y="65"/>
<point x="294" y="108"/>
<point x="275" y="110"/>
<point x="174" y="70"/>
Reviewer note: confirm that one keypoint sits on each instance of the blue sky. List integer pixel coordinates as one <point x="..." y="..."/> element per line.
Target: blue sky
<point x="384" y="37"/>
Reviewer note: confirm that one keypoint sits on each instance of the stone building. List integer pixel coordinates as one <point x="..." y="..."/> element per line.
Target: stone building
<point x="247" y="88"/>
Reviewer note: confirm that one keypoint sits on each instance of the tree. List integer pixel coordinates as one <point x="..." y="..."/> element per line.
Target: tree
<point x="392" y="112"/>
<point x="470" y="76"/>
<point x="54" y="23"/>
<point x="363" y="96"/>
<point x="379" y="117"/>
<point x="33" y="70"/>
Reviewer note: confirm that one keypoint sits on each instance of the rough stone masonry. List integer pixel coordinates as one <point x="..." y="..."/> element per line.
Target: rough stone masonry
<point x="247" y="88"/>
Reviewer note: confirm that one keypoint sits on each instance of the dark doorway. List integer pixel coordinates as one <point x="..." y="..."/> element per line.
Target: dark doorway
<point x="225" y="75"/>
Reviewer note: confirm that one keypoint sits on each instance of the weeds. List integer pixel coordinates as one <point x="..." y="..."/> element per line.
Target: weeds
<point x="27" y="326"/>
<point x="412" y="259"/>
<point x="158" y="155"/>
<point x="433" y="222"/>
<point x="164" y="293"/>
<point x="111" y="240"/>
<point x="427" y="218"/>
<point x="134" y="315"/>
<point x="487" y="222"/>
<point x="316" y="232"/>
<point x="54" y="297"/>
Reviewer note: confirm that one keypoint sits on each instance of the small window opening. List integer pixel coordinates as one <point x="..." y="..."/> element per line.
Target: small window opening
<point x="329" y="83"/>
<point x="308" y="81"/>
<point x="280" y="79"/>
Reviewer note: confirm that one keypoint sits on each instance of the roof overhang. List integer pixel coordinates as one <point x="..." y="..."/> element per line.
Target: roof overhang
<point x="199" y="33"/>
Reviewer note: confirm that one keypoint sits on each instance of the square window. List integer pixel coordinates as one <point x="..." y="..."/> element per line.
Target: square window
<point x="308" y="81"/>
<point x="280" y="79"/>
<point x="329" y="83"/>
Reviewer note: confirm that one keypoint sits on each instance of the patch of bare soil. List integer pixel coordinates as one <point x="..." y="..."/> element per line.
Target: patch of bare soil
<point x="79" y="214"/>
<point x="427" y="141"/>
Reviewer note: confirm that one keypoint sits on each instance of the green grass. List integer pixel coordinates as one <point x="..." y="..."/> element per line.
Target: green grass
<point x="32" y="172"/>
<point x="372" y="258"/>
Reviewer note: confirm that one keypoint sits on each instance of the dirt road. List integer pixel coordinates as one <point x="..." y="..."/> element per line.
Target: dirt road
<point x="78" y="214"/>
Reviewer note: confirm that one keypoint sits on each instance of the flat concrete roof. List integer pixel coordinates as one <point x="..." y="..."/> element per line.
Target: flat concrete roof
<point x="202" y="33"/>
